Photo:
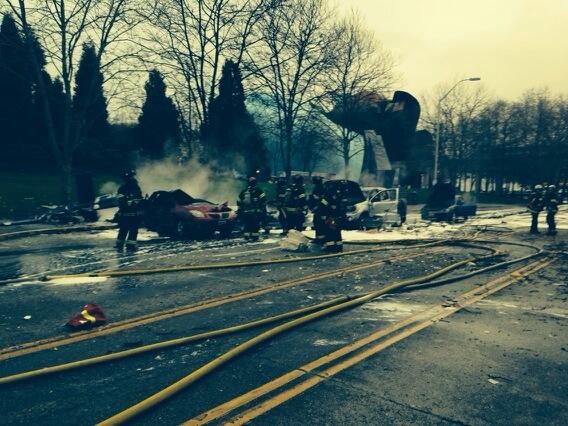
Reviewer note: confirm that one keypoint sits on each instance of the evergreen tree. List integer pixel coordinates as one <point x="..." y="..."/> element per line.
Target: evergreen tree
<point x="56" y="95"/>
<point x="158" y="123"/>
<point x="15" y="91"/>
<point x="37" y="126"/>
<point x="90" y="109"/>
<point x="232" y="136"/>
<point x="89" y="102"/>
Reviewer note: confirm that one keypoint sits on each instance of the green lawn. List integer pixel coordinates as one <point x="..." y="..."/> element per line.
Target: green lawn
<point x="22" y="193"/>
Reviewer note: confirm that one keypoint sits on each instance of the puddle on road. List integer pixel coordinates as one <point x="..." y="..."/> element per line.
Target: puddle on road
<point x="58" y="282"/>
<point x="110" y="234"/>
<point x="77" y="280"/>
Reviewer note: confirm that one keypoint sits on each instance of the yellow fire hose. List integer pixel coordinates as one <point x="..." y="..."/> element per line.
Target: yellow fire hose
<point x="167" y="344"/>
<point x="125" y="272"/>
<point x="194" y="376"/>
<point x="192" y="307"/>
<point x="182" y="340"/>
<point x="314" y="312"/>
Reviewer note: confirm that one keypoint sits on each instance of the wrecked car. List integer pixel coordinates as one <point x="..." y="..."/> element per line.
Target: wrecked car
<point x="386" y="204"/>
<point x="368" y="207"/>
<point x="179" y="215"/>
<point x="449" y="213"/>
<point x="444" y="205"/>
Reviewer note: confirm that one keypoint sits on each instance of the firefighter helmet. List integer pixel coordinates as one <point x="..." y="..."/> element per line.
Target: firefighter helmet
<point x="90" y="316"/>
<point x="538" y="187"/>
<point x="252" y="181"/>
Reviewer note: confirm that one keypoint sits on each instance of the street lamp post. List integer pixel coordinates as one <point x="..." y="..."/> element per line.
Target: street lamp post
<point x="438" y="113"/>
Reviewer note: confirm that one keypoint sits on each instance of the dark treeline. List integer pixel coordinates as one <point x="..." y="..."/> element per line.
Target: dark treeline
<point x="287" y="61"/>
<point x="62" y="123"/>
<point x="293" y="59"/>
<point x="227" y="79"/>
<point x="24" y="124"/>
<point x="82" y="118"/>
<point x="500" y="146"/>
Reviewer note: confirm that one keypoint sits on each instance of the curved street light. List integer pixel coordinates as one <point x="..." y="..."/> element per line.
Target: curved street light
<point x="438" y="113"/>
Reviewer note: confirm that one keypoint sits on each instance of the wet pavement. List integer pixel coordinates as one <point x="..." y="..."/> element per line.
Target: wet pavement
<point x="500" y="361"/>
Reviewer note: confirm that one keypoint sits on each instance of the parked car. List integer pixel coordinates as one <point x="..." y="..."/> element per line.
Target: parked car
<point x="177" y="214"/>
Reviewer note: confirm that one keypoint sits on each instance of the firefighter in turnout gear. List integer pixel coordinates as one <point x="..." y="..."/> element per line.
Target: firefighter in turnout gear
<point x="536" y="205"/>
<point x="315" y="203"/>
<point x="296" y="205"/>
<point x="551" y="205"/>
<point x="252" y="207"/>
<point x="129" y="211"/>
<point x="332" y="215"/>
<point x="280" y="201"/>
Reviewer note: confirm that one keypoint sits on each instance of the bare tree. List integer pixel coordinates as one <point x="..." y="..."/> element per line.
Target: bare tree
<point x="314" y="139"/>
<point x="361" y="72"/>
<point x="62" y="26"/>
<point x="289" y="63"/>
<point x="458" y="112"/>
<point x="190" y="39"/>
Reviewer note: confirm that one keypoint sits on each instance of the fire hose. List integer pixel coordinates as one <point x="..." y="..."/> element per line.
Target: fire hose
<point x="309" y="314"/>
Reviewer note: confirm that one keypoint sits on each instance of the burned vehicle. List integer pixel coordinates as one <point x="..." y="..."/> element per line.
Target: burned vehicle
<point x="444" y="205"/>
<point x="369" y="207"/>
<point x="449" y="213"/>
<point x="179" y="215"/>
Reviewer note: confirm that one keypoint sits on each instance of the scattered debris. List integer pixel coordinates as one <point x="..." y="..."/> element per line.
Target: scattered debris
<point x="146" y="369"/>
<point x="325" y="342"/>
<point x="295" y="241"/>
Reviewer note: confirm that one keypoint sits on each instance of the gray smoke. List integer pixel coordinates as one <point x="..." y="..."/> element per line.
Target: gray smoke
<point x="198" y="180"/>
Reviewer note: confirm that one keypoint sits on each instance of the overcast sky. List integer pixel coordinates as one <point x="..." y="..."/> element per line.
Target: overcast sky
<point x="513" y="45"/>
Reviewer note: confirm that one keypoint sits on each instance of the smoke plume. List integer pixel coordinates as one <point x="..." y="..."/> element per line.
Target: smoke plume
<point x="198" y="180"/>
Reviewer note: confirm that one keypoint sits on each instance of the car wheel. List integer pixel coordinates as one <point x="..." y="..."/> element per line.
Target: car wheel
<point x="180" y="229"/>
<point x="364" y="221"/>
<point x="226" y="232"/>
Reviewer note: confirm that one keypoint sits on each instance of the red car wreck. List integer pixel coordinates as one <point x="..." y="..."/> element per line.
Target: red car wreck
<point x="177" y="214"/>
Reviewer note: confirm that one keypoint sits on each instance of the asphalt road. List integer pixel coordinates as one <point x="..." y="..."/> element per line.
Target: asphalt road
<point x="502" y="360"/>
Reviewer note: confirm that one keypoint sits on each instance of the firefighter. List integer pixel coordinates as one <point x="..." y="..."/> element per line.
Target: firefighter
<point x="551" y="205"/>
<point x="252" y="206"/>
<point x="333" y="216"/>
<point x="401" y="209"/>
<point x="129" y="211"/>
<point x="281" y="188"/>
<point x="315" y="204"/>
<point x="296" y="205"/>
<point x="536" y="205"/>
